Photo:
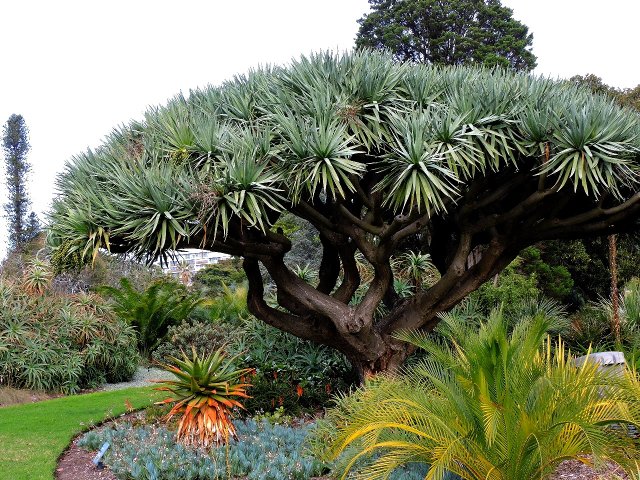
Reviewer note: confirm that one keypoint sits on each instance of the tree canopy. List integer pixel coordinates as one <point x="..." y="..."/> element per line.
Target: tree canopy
<point x="471" y="164"/>
<point x="450" y="32"/>
<point x="15" y="143"/>
<point x="627" y="97"/>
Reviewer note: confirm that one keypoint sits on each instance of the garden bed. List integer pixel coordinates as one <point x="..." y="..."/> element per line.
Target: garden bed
<point x="76" y="462"/>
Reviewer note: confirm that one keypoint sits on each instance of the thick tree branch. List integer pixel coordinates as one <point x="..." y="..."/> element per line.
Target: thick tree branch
<point x="350" y="274"/>
<point x="350" y="217"/>
<point x="301" y="326"/>
<point x="329" y="265"/>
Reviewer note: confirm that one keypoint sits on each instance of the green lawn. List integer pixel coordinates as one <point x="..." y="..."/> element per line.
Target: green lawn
<point x="32" y="436"/>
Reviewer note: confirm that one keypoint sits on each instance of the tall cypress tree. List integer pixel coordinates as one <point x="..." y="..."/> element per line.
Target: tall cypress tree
<point x="15" y="143"/>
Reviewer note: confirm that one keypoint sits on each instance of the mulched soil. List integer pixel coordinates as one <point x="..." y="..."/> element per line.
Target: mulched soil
<point x="75" y="464"/>
<point x="574" y="470"/>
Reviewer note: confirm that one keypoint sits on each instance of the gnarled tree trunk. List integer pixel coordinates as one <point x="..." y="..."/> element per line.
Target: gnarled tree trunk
<point x="469" y="246"/>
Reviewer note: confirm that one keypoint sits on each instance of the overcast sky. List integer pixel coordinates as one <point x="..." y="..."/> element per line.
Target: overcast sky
<point x="76" y="69"/>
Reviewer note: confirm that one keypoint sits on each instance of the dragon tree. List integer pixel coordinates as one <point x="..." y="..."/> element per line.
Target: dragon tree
<point x="470" y="165"/>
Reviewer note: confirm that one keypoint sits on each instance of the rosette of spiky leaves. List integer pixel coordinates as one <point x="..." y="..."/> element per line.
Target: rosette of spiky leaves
<point x="205" y="391"/>
<point x="37" y="277"/>
<point x="416" y="267"/>
<point x="415" y="173"/>
<point x="329" y="129"/>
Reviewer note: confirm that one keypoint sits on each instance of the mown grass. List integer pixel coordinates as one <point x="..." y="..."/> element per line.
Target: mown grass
<point x="32" y="436"/>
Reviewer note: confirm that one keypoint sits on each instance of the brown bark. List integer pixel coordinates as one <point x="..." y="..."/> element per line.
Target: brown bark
<point x="613" y="268"/>
<point x="496" y="216"/>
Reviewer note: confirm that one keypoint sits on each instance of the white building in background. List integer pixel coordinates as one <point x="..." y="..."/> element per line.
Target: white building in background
<point x="185" y="263"/>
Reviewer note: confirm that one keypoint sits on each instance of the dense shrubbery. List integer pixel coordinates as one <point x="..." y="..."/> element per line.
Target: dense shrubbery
<point x="61" y="343"/>
<point x="205" y="336"/>
<point x="553" y="280"/>
<point x="510" y="289"/>
<point x="592" y="326"/>
<point x="153" y="310"/>
<point x="287" y="371"/>
<point x="224" y="274"/>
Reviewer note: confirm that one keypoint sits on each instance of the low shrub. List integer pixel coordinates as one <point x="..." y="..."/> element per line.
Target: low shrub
<point x="204" y="336"/>
<point x="289" y="372"/>
<point x="263" y="452"/>
<point x="62" y="343"/>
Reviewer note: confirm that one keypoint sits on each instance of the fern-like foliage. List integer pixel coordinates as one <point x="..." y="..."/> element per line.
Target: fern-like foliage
<point x="486" y="404"/>
<point x="152" y="311"/>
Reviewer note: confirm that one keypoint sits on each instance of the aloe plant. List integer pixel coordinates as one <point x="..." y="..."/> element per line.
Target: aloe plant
<point x="206" y="388"/>
<point x="37" y="277"/>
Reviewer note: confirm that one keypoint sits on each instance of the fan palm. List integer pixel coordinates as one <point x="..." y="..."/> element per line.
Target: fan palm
<point x="486" y="405"/>
<point x="205" y="390"/>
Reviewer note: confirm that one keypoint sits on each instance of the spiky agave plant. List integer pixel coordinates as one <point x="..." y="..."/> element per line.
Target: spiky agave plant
<point x="37" y="277"/>
<point x="206" y="388"/>
<point x="486" y="405"/>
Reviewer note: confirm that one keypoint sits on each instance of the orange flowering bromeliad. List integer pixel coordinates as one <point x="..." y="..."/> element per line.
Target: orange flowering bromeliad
<point x="205" y="390"/>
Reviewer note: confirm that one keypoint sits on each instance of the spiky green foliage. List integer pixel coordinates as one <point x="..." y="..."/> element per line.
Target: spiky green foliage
<point x="61" y="343"/>
<point x="37" y="277"/>
<point x="466" y="165"/>
<point x="592" y="327"/>
<point x="232" y="152"/>
<point x="152" y="311"/>
<point x="206" y="389"/>
<point x="417" y="268"/>
<point x="629" y="307"/>
<point x="486" y="404"/>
